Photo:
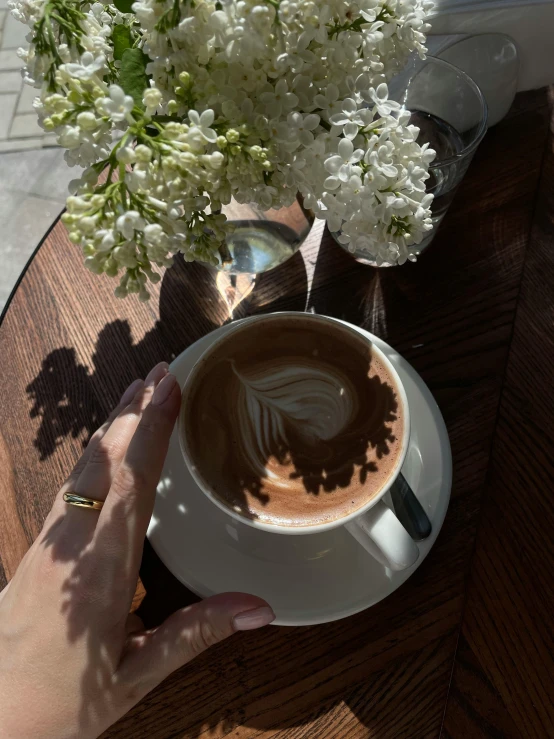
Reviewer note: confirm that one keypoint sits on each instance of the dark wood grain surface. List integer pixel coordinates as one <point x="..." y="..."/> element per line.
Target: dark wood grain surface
<point x="465" y="647"/>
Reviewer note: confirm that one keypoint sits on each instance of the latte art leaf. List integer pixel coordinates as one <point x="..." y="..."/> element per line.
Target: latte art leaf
<point x="294" y="421"/>
<point x="312" y="402"/>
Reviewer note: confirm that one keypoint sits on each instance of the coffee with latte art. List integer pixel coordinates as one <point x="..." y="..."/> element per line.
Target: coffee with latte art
<point x="293" y="421"/>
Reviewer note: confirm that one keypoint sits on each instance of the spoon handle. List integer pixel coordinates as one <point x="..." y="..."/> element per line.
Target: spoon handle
<point x="409" y="510"/>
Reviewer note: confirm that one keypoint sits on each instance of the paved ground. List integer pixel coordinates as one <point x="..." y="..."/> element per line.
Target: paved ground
<point x="33" y="179"/>
<point x="33" y="188"/>
<point x="18" y="122"/>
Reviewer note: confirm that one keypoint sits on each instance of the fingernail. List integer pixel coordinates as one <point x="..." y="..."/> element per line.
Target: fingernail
<point x="131" y="391"/>
<point x="254" y="619"/>
<point x="157" y="373"/>
<point x="163" y="389"/>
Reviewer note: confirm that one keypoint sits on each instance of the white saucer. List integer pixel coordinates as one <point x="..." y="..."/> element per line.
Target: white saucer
<point x="306" y="579"/>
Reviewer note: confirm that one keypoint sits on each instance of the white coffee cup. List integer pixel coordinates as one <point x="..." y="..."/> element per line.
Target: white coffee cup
<point x="374" y="525"/>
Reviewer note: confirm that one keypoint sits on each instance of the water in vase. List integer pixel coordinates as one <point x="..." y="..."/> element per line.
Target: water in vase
<point x="443" y="179"/>
<point x="262" y="240"/>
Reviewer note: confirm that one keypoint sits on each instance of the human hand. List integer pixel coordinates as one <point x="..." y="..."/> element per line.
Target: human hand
<point x="72" y="659"/>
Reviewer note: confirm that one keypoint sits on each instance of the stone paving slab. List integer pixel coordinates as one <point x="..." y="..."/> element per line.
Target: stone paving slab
<point x="19" y="130"/>
<point x="33" y="189"/>
<point x="16" y="145"/>
<point x="25" y="102"/>
<point x="25" y="126"/>
<point x="8" y="102"/>
<point x="10" y="61"/>
<point x="14" y="33"/>
<point x="23" y="226"/>
<point x="10" y="81"/>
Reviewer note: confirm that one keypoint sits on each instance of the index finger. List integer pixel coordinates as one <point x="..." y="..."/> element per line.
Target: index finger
<point x="128" y="507"/>
<point x="60" y="508"/>
<point x="98" y="435"/>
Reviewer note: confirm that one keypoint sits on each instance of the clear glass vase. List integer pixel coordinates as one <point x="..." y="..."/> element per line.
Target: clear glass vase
<point x="263" y="239"/>
<point x="451" y="113"/>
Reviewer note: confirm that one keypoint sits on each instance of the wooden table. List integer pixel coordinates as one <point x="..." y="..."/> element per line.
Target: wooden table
<point x="465" y="647"/>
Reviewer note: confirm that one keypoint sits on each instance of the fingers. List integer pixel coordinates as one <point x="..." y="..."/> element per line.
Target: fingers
<point x="98" y="435"/>
<point x="103" y="462"/>
<point x="70" y="518"/>
<point x="93" y="474"/>
<point x="129" y="504"/>
<point x="133" y="623"/>
<point x="153" y="655"/>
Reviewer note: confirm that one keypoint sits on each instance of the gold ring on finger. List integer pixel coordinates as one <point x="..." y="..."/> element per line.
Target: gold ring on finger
<point x="82" y="502"/>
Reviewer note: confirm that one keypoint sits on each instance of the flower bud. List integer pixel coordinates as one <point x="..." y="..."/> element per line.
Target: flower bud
<point x="87" y="121"/>
<point x="232" y="136"/>
<point x="125" y="155"/>
<point x="94" y="265"/>
<point x="112" y="268"/>
<point x="97" y="200"/>
<point x="152" y="98"/>
<point x="185" y="79"/>
<point x="88" y="223"/>
<point x="143" y="153"/>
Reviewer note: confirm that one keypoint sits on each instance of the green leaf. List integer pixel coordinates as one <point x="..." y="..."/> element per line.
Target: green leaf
<point x="132" y="74"/>
<point x="122" y="40"/>
<point x="124" y="6"/>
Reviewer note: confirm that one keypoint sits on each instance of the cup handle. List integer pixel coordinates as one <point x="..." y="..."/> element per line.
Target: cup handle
<point x="383" y="536"/>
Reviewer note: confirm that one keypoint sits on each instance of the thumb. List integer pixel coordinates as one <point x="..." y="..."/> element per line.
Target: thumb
<point x="152" y="655"/>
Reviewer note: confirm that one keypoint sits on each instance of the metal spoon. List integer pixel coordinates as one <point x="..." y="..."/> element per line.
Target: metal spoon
<point x="409" y="510"/>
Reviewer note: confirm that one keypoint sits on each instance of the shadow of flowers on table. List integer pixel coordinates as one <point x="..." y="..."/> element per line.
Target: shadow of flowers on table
<point x="262" y="682"/>
<point x="72" y="399"/>
<point x="63" y="399"/>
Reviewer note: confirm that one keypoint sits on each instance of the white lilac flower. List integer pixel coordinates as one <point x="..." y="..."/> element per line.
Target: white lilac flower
<point x="201" y="125"/>
<point x="127" y="223"/>
<point x="247" y="101"/>
<point x="329" y="101"/>
<point x="351" y="117"/>
<point x="147" y="13"/>
<point x="341" y="166"/>
<point x="105" y="240"/>
<point x="86" y="67"/>
<point x="380" y="98"/>
<point x="302" y="127"/>
<point x="117" y="106"/>
<point x="26" y="11"/>
<point x="69" y="137"/>
<point x="245" y="77"/>
<point x="279" y="100"/>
